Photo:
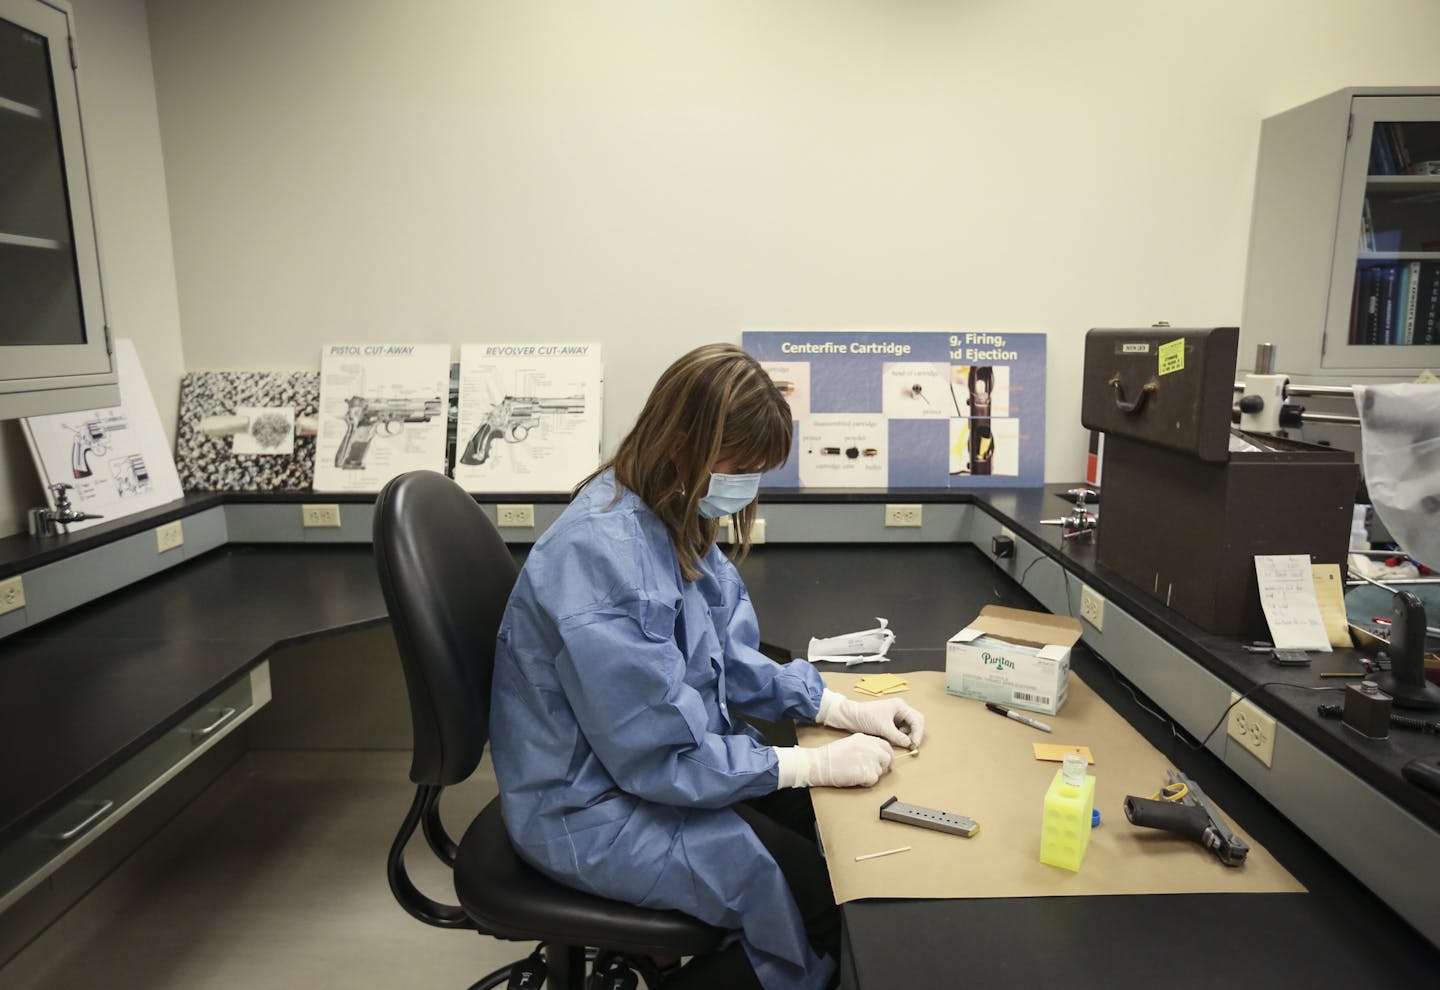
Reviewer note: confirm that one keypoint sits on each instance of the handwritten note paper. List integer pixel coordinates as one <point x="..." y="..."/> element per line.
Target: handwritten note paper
<point x="1287" y="593"/>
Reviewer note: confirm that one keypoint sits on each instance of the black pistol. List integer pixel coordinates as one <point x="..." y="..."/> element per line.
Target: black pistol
<point x="1182" y="807"/>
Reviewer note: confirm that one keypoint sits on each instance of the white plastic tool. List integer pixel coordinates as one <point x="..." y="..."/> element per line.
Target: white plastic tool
<point x="865" y="646"/>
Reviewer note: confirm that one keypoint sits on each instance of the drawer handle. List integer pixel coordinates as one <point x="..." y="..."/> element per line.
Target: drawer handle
<point x="214" y="726"/>
<point x="75" y="831"/>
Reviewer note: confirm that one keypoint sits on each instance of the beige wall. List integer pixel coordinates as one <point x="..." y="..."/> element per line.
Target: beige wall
<point x="654" y="174"/>
<point x="127" y="176"/>
<point x="657" y="174"/>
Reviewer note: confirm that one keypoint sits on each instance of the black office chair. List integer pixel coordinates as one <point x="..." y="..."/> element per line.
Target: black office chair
<point x="446" y="575"/>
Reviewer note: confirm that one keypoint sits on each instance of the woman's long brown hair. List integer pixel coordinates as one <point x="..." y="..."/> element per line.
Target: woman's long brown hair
<point x="716" y="398"/>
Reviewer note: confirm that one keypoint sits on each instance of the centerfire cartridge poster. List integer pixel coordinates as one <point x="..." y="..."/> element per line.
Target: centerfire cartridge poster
<point x="909" y="409"/>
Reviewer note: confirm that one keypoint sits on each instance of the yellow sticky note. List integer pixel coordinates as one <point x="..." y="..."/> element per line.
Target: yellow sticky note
<point x="1330" y="593"/>
<point x="880" y="682"/>
<point x="1172" y="356"/>
<point x="1057" y="752"/>
<point x="880" y="694"/>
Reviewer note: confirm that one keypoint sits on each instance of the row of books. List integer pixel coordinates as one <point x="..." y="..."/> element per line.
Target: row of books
<point x="1393" y="151"/>
<point x="1367" y="228"/>
<point x="1397" y="303"/>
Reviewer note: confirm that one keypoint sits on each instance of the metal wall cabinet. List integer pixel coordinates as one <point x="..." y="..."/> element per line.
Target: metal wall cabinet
<point x="55" y="352"/>
<point x="1344" y="264"/>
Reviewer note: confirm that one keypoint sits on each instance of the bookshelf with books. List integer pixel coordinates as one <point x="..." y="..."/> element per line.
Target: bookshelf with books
<point x="1344" y="265"/>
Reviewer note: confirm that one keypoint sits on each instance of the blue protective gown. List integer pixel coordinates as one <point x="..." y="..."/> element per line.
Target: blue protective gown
<point x="613" y="736"/>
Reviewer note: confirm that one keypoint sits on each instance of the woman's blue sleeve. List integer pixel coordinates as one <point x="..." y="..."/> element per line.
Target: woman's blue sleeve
<point x="755" y="684"/>
<point x="624" y="678"/>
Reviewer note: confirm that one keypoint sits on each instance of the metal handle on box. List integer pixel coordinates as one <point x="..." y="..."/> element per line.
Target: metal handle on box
<point x="1132" y="407"/>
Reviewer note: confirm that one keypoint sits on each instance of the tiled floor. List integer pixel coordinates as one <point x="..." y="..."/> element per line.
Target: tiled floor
<point x="283" y="887"/>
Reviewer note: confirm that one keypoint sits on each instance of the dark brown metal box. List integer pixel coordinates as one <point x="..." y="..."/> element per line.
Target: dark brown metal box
<point x="1180" y="515"/>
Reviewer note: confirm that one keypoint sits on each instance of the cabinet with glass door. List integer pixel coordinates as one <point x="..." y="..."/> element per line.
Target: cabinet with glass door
<point x="54" y="346"/>
<point x="1344" y="266"/>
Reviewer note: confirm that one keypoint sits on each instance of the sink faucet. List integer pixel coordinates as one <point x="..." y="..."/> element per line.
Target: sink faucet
<point x="47" y="522"/>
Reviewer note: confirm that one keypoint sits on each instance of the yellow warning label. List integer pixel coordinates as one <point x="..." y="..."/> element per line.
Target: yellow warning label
<point x="1172" y="356"/>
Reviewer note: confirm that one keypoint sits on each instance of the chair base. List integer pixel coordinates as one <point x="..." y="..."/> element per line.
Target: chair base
<point x="566" y="969"/>
<point x="499" y="978"/>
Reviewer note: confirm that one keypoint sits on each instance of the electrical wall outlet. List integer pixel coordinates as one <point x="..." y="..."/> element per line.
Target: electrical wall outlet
<point x="726" y="532"/>
<point x="1002" y="545"/>
<point x="12" y="594"/>
<point x="169" y="536"/>
<point x="1253" y="729"/>
<point x="515" y="516"/>
<point x="903" y="515"/>
<point x="327" y="515"/>
<point x="1092" y="607"/>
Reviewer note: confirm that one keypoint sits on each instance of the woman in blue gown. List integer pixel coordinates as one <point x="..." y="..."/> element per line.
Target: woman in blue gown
<point x="629" y="650"/>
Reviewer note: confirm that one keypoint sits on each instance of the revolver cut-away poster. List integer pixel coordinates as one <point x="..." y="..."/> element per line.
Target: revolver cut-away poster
<point x="909" y="409"/>
<point x="529" y="417"/>
<point x="117" y="460"/>
<point x="383" y="411"/>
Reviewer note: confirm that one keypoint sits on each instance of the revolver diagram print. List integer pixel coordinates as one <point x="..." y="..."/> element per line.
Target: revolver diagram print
<point x="93" y="437"/>
<point x="512" y="419"/>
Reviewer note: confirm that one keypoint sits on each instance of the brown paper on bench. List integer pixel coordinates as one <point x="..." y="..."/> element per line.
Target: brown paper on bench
<point x="980" y="765"/>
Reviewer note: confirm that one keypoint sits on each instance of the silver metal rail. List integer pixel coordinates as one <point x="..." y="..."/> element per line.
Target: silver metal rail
<point x="1333" y="391"/>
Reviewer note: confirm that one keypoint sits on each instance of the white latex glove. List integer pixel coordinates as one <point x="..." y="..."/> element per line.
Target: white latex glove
<point x="889" y="718"/>
<point x="855" y="761"/>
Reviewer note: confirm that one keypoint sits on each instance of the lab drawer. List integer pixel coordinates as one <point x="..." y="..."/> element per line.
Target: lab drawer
<point x="50" y="844"/>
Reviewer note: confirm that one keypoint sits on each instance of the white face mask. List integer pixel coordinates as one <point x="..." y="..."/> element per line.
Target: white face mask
<point x="728" y="494"/>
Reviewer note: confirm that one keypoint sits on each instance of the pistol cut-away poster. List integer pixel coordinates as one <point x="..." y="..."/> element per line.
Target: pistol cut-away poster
<point x="383" y="411"/>
<point x="117" y="460"/>
<point x="909" y="409"/>
<point x="529" y="417"/>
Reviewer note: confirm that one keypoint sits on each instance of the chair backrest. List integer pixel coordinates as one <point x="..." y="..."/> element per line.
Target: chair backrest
<point x="446" y="575"/>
